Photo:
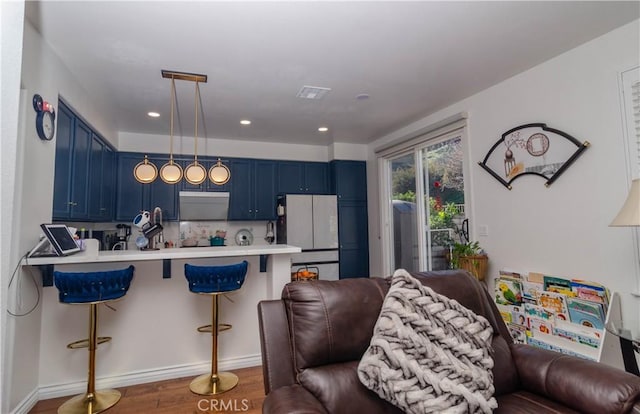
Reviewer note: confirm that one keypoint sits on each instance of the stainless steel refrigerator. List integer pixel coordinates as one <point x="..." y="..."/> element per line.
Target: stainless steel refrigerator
<point x="311" y="223"/>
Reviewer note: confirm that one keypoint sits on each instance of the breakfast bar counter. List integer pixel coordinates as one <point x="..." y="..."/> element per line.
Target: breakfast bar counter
<point x="154" y="331"/>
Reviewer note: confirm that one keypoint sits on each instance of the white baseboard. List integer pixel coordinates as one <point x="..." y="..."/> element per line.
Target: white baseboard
<point x="27" y="403"/>
<point x="141" y="377"/>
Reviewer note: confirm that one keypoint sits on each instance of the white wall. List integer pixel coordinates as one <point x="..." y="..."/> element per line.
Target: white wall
<point x="561" y="230"/>
<point x="43" y="73"/>
<point x="129" y="141"/>
<point x="11" y="17"/>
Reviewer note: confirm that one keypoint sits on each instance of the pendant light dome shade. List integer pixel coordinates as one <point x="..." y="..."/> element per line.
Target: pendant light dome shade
<point x="171" y="173"/>
<point x="145" y="172"/>
<point x="219" y="174"/>
<point x="195" y="173"/>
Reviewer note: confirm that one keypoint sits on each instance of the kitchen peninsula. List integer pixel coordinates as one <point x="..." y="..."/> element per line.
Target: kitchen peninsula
<point x="154" y="331"/>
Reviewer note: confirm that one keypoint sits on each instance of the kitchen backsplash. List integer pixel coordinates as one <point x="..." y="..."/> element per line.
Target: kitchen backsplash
<point x="174" y="233"/>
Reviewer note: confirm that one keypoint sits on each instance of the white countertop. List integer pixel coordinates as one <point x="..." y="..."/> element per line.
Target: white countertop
<point x="106" y="256"/>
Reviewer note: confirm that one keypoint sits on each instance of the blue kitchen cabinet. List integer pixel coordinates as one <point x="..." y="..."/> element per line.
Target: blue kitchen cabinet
<point x="252" y="195"/>
<point x="71" y="175"/>
<point x="101" y="181"/>
<point x="62" y="174"/>
<point x="353" y="233"/>
<point x="133" y="197"/>
<point x="161" y="194"/>
<point x="129" y="192"/>
<point x="207" y="185"/>
<point x="297" y="177"/>
<point x="349" y="179"/>
<point x="349" y="182"/>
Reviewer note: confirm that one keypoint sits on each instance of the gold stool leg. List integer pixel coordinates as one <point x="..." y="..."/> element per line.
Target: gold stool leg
<point x="215" y="382"/>
<point x="91" y="402"/>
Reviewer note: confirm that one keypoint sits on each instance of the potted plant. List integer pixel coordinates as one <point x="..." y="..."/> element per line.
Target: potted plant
<point x="470" y="257"/>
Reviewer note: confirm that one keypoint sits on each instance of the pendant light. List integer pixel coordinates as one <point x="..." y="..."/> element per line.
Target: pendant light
<point x="219" y="174"/>
<point x="145" y="172"/>
<point x="171" y="173"/>
<point x="195" y="173"/>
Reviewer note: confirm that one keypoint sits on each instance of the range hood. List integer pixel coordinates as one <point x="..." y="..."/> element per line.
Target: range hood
<point x="196" y="205"/>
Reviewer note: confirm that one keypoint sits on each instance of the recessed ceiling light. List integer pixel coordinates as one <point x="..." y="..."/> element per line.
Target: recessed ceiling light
<point x="323" y="129"/>
<point x="245" y="122"/>
<point x="153" y="114"/>
<point x="363" y="97"/>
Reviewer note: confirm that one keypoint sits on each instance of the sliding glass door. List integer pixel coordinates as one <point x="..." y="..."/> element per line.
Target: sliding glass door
<point x="426" y="206"/>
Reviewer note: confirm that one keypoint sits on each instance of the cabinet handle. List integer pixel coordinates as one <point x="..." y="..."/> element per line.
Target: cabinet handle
<point x="103" y="209"/>
<point x="71" y="203"/>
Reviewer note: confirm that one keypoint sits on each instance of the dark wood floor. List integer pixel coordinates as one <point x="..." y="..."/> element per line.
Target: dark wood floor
<point x="174" y="397"/>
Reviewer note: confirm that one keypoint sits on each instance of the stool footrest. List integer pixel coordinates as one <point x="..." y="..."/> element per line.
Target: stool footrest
<point x="221" y="327"/>
<point x="84" y="343"/>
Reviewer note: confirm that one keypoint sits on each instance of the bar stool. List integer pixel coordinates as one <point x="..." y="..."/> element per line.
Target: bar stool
<point x="92" y="288"/>
<point x="214" y="281"/>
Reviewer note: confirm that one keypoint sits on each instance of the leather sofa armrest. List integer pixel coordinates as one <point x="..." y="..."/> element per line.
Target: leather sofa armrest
<point x="585" y="386"/>
<point x="293" y="399"/>
<point x="277" y="359"/>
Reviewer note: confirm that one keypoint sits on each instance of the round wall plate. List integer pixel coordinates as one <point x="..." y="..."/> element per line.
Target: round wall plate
<point x="244" y="237"/>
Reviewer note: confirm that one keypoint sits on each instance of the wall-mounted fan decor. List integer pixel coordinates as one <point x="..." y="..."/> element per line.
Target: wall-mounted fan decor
<point x="532" y="149"/>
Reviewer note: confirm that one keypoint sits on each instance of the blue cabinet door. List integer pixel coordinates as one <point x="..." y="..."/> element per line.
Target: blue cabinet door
<point x="108" y="184"/>
<point x="316" y="178"/>
<point x="241" y="195"/>
<point x="290" y="179"/>
<point x="81" y="156"/>
<point x="354" y="239"/>
<point x="264" y="190"/>
<point x="95" y="179"/>
<point x="349" y="179"/>
<point x="161" y="194"/>
<point x="129" y="192"/>
<point x="62" y="174"/>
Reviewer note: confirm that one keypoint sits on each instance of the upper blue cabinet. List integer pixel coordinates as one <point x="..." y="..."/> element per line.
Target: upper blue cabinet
<point x="297" y="177"/>
<point x="82" y="164"/>
<point x="133" y="197"/>
<point x="252" y="195"/>
<point x="349" y="180"/>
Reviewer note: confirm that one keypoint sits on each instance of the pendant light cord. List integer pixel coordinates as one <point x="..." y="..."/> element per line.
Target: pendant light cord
<point x="173" y="99"/>
<point x="197" y="96"/>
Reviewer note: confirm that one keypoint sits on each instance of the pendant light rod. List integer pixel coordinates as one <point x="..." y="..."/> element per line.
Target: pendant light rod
<point x="192" y="77"/>
<point x="195" y="150"/>
<point x="173" y="99"/>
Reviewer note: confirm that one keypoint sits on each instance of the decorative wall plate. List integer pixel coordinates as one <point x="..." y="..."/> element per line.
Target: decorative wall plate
<point x="532" y="149"/>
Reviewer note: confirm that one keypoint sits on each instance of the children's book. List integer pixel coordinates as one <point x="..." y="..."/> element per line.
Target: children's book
<point x="508" y="291"/>
<point x="586" y="313"/>
<point x="590" y="291"/>
<point x="577" y="333"/>
<point x="540" y="326"/>
<point x="554" y="302"/>
<point x="531" y="291"/>
<point x="558" y="285"/>
<point x="518" y="333"/>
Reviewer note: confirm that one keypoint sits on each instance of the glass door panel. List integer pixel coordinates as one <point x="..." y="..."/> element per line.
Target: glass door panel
<point x="444" y="211"/>
<point x="405" y="251"/>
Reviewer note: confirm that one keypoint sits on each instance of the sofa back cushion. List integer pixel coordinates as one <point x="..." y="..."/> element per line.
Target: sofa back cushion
<point x="470" y="293"/>
<point x="332" y="321"/>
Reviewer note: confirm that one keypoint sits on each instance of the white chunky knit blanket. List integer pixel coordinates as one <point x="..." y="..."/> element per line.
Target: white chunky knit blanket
<point x="428" y="353"/>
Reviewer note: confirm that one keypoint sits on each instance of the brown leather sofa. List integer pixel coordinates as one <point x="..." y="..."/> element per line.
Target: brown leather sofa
<point x="313" y="338"/>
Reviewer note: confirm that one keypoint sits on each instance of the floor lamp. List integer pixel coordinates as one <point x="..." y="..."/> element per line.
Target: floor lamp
<point x="629" y="216"/>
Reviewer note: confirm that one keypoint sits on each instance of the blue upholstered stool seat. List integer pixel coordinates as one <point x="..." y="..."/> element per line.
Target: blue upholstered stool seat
<point x="214" y="279"/>
<point x="86" y="287"/>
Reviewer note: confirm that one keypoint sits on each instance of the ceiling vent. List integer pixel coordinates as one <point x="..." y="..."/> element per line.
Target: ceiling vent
<point x="312" y="92"/>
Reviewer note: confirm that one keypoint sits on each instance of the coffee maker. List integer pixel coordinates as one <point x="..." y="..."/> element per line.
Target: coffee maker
<point x="122" y="237"/>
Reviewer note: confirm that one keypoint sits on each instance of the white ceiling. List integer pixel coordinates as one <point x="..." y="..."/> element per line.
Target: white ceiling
<point x="412" y="58"/>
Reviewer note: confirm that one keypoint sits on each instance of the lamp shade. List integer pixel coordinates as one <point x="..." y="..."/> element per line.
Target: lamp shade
<point x="629" y="215"/>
